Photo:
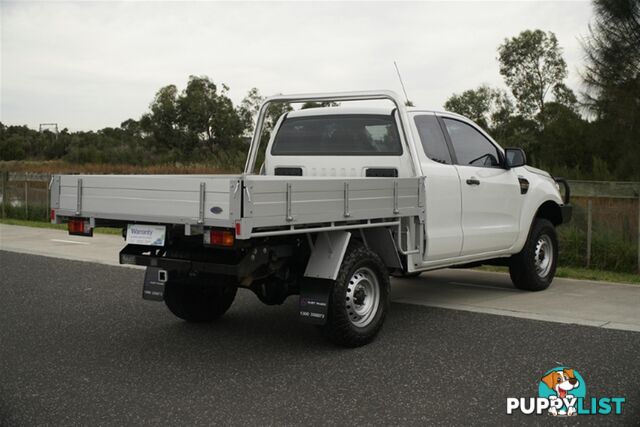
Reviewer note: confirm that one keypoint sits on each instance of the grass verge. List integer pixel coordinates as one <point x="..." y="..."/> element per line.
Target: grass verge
<point x="582" y="274"/>
<point x="42" y="224"/>
<point x="60" y="166"/>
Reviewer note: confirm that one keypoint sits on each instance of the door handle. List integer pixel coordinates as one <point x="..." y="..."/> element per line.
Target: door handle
<point x="473" y="181"/>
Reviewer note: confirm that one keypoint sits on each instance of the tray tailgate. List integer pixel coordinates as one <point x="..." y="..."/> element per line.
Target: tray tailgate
<point x="154" y="198"/>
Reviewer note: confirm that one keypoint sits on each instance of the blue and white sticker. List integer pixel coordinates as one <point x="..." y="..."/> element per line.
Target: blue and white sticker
<point x="149" y="235"/>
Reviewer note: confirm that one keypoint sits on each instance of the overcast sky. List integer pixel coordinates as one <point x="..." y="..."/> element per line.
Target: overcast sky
<point x="87" y="65"/>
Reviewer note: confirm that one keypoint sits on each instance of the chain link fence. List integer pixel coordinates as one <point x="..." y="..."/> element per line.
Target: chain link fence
<point x="603" y="234"/>
<point x="25" y="196"/>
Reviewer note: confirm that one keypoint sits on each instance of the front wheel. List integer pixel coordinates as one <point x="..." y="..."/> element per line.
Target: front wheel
<point x="200" y="298"/>
<point x="534" y="267"/>
<point x="359" y="299"/>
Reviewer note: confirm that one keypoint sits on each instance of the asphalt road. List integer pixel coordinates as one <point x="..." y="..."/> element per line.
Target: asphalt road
<point x="79" y="346"/>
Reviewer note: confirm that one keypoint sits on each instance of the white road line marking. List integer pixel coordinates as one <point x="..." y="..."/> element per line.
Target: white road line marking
<point x="70" y="241"/>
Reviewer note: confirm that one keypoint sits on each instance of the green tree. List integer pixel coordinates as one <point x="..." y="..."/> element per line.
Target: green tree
<point x="200" y="119"/>
<point x="208" y="113"/>
<point x="249" y="108"/>
<point x="532" y="66"/>
<point x="13" y="147"/>
<point x="563" y="142"/>
<point x="612" y="51"/>
<point x="200" y="123"/>
<point x="518" y="131"/>
<point x="227" y="124"/>
<point x="131" y="127"/>
<point x="197" y="107"/>
<point x="612" y="77"/>
<point x="161" y="122"/>
<point x="472" y="103"/>
<point x="483" y="105"/>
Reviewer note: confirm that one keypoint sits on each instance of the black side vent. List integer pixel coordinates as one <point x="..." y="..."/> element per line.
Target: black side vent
<point x="524" y="185"/>
<point x="289" y="171"/>
<point x="382" y="172"/>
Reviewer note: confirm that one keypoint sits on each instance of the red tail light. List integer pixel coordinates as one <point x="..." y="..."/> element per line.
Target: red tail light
<point x="79" y="227"/>
<point x="219" y="238"/>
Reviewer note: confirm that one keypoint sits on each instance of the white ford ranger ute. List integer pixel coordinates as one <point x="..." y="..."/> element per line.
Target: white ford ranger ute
<point x="345" y="197"/>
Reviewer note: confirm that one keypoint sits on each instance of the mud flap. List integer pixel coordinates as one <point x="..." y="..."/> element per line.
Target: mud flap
<point x="326" y="254"/>
<point x="154" y="280"/>
<point x="314" y="300"/>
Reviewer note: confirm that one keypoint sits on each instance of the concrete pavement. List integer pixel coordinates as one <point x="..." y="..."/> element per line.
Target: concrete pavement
<point x="101" y="248"/>
<point x="582" y="302"/>
<point x="599" y="304"/>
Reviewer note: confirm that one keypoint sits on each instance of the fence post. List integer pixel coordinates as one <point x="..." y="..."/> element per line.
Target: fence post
<point x="589" y="230"/>
<point x="4" y="193"/>
<point x="26" y="198"/>
<point x="638" y="234"/>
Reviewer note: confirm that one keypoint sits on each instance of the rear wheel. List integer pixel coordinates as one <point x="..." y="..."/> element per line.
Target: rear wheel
<point x="534" y="267"/>
<point x="200" y="298"/>
<point x="359" y="299"/>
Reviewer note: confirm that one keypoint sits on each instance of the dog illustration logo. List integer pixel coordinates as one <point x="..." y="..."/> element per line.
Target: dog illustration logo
<point x="564" y="385"/>
<point x="562" y="393"/>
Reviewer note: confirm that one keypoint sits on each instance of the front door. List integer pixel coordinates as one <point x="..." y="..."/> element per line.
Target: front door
<point x="491" y="199"/>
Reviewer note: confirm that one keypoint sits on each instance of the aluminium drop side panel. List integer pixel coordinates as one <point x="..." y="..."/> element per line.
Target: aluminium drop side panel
<point x="279" y="201"/>
<point x="175" y="199"/>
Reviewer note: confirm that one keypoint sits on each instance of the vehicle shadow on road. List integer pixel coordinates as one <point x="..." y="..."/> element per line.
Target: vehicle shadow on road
<point x="250" y="329"/>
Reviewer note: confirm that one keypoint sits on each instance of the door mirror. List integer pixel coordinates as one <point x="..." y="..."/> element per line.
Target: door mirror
<point x="514" y="157"/>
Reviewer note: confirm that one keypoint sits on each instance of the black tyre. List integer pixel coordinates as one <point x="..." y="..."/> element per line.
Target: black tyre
<point x="359" y="299"/>
<point x="200" y="298"/>
<point x="534" y="267"/>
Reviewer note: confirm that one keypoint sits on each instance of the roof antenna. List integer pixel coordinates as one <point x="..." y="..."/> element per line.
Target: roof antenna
<point x="407" y="102"/>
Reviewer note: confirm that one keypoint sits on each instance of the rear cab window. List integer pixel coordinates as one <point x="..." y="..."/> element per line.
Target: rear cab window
<point x="432" y="138"/>
<point x="338" y="135"/>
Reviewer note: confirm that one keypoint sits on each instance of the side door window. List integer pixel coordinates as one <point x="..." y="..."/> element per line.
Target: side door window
<point x="432" y="138"/>
<point x="470" y="146"/>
